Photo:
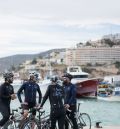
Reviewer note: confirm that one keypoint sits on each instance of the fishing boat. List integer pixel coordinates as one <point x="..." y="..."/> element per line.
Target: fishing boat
<point x="86" y="87"/>
<point x="107" y="93"/>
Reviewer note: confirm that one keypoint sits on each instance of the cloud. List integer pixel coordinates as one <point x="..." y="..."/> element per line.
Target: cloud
<point x="48" y="24"/>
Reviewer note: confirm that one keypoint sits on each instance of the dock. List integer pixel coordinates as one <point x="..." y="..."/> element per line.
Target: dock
<point x="107" y="127"/>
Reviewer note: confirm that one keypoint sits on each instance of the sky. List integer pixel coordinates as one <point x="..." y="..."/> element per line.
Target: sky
<point x="33" y="26"/>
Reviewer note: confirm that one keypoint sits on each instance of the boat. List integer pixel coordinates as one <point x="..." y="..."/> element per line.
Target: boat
<point x="45" y="82"/>
<point x="86" y="87"/>
<point x="108" y="93"/>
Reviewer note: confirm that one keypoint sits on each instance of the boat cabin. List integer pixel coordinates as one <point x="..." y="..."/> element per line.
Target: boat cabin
<point x="77" y="72"/>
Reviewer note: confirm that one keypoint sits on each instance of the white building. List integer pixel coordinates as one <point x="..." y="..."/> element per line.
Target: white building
<point x="100" y="55"/>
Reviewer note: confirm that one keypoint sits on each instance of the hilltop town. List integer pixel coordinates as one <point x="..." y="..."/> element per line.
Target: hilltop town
<point x="99" y="58"/>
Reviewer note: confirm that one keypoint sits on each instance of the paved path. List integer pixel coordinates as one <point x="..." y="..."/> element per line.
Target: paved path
<point x="107" y="127"/>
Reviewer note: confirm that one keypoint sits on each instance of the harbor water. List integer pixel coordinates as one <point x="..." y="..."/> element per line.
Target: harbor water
<point x="99" y="110"/>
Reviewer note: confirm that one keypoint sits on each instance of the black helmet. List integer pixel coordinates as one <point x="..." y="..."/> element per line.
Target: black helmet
<point x="68" y="76"/>
<point x="8" y="75"/>
<point x="54" y="79"/>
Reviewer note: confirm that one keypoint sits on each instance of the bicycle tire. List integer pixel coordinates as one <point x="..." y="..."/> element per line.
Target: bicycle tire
<point x="84" y="121"/>
<point x="45" y="127"/>
<point x="26" y="124"/>
<point x="46" y="124"/>
<point x="9" y="125"/>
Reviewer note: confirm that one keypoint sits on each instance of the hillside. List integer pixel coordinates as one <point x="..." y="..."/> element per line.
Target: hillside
<point x="15" y="60"/>
<point x="101" y="71"/>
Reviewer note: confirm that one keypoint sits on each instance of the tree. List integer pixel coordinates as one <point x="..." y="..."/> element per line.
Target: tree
<point x="88" y="43"/>
<point x="40" y="57"/>
<point x="34" y="61"/>
<point x="13" y="68"/>
<point x="88" y="64"/>
<point x="109" y="42"/>
<point x="117" y="64"/>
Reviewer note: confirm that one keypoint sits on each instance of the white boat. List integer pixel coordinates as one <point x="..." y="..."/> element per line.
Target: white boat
<point x="86" y="87"/>
<point x="77" y="73"/>
<point x="44" y="82"/>
<point x="47" y="79"/>
<point x="17" y="82"/>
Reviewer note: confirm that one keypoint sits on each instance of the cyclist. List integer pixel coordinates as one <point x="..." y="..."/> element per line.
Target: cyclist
<point x="30" y="89"/>
<point x="70" y="99"/>
<point x="55" y="94"/>
<point x="6" y="95"/>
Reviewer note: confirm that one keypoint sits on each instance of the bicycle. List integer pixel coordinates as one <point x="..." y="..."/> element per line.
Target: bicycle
<point x="40" y="122"/>
<point x="83" y="119"/>
<point x="31" y="122"/>
<point x="46" y="122"/>
<point x="13" y="121"/>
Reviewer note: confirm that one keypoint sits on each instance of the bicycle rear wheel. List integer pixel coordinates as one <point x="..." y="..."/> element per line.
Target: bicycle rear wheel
<point x="30" y="124"/>
<point x="45" y="124"/>
<point x="84" y="121"/>
<point x="9" y="125"/>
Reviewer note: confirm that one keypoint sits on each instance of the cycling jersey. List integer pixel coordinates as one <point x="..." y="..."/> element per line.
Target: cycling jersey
<point x="70" y="94"/>
<point x="6" y="90"/>
<point x="55" y="94"/>
<point x="70" y="98"/>
<point x="57" y="113"/>
<point x="30" y="89"/>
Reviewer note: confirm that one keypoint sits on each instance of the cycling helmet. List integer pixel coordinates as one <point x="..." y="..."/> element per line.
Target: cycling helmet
<point x="36" y="76"/>
<point x="68" y="76"/>
<point x="8" y="75"/>
<point x="54" y="79"/>
<point x="33" y="74"/>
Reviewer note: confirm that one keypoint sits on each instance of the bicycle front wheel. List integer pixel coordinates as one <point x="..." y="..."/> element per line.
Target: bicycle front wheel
<point x="84" y="121"/>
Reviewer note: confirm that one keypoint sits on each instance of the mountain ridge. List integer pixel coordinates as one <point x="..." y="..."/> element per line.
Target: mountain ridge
<point x="14" y="60"/>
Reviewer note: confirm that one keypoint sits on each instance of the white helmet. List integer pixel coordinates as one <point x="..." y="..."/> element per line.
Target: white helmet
<point x="33" y="74"/>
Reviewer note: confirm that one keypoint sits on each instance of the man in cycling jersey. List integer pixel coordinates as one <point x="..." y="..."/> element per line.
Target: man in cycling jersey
<point x="30" y="89"/>
<point x="55" y="94"/>
<point x="70" y="99"/>
<point x="6" y="95"/>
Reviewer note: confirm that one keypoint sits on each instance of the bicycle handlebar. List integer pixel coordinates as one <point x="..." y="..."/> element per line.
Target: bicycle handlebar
<point x="69" y="110"/>
<point x="14" y="110"/>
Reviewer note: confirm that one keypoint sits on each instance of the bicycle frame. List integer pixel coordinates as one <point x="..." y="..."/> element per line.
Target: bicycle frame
<point x="80" y="119"/>
<point x="31" y="119"/>
<point x="12" y="121"/>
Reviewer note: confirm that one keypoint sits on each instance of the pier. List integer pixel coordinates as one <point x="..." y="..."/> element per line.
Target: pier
<point x="107" y="127"/>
